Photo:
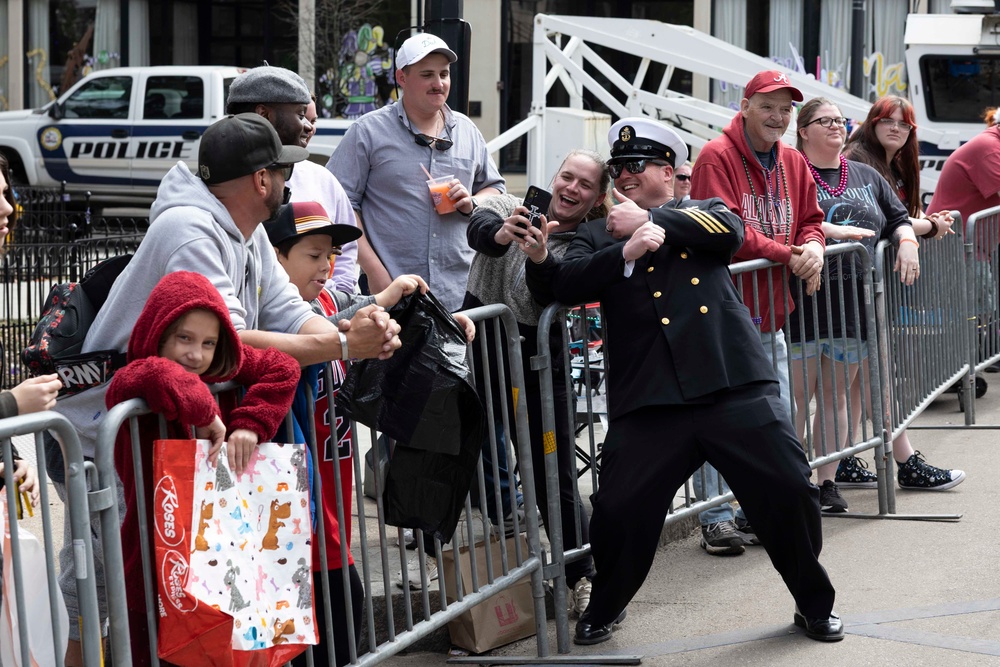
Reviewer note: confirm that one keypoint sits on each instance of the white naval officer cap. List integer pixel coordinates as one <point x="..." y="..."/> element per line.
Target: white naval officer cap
<point x="642" y="137"/>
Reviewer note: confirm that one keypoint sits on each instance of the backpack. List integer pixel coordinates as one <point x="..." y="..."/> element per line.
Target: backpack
<point x="67" y="315"/>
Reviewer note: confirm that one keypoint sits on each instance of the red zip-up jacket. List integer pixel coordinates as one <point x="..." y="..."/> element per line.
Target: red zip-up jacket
<point x="722" y="170"/>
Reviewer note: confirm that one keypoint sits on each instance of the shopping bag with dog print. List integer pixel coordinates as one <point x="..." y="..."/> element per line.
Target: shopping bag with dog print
<point x="233" y="556"/>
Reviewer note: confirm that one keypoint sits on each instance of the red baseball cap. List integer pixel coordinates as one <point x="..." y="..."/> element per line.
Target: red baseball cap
<point x="769" y="81"/>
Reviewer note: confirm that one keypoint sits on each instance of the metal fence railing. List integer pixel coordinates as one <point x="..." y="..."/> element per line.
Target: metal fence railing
<point x="916" y="343"/>
<point x="51" y="243"/>
<point x="78" y="501"/>
<point x="388" y="568"/>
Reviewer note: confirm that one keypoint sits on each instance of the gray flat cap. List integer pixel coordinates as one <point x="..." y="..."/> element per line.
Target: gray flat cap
<point x="269" y="85"/>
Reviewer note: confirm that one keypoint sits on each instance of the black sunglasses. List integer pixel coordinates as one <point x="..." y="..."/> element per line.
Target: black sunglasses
<point x="682" y="177"/>
<point x="284" y="169"/>
<point x="428" y="140"/>
<point x="633" y="166"/>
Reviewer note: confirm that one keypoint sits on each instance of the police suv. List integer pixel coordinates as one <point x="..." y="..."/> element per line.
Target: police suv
<point x="118" y="131"/>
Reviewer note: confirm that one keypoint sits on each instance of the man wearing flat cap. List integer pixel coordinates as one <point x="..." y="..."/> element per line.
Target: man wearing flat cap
<point x="379" y="164"/>
<point x="282" y="97"/>
<point x="688" y="381"/>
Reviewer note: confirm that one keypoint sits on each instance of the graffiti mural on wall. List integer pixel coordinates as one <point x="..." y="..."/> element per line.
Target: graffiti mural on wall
<point x="363" y="79"/>
<point x="883" y="77"/>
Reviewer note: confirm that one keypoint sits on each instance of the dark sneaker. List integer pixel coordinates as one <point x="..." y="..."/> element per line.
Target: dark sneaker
<point x="830" y="499"/>
<point x="747" y="532"/>
<point x="917" y="474"/>
<point x="853" y="473"/>
<point x="722" y="539"/>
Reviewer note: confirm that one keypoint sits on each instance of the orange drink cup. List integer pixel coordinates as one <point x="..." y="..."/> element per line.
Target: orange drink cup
<point x="439" y="188"/>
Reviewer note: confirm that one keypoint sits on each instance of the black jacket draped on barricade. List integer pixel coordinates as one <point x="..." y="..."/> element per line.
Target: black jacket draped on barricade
<point x="422" y="397"/>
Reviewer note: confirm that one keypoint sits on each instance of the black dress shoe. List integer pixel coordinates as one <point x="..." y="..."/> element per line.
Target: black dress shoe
<point x="589" y="633"/>
<point x="828" y="629"/>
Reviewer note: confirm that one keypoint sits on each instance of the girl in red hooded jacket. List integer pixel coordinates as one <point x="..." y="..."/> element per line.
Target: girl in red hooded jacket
<point x="183" y="340"/>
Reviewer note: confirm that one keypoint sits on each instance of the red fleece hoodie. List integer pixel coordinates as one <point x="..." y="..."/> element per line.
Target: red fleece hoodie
<point x="185" y="400"/>
<point x="720" y="172"/>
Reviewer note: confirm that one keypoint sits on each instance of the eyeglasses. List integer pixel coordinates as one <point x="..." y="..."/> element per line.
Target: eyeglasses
<point x="284" y="169"/>
<point x="682" y="177"/>
<point x="633" y="166"/>
<point x="827" y="121"/>
<point x="438" y="143"/>
<point x="889" y="123"/>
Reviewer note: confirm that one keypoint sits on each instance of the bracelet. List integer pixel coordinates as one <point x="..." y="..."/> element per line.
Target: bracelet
<point x="934" y="229"/>
<point x="344" y="355"/>
<point x="913" y="241"/>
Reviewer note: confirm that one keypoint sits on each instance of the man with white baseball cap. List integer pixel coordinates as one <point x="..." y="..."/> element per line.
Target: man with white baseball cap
<point x="381" y="163"/>
<point x="688" y="382"/>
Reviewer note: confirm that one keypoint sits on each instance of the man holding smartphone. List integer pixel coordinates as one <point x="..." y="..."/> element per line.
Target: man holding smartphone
<point x="688" y="382"/>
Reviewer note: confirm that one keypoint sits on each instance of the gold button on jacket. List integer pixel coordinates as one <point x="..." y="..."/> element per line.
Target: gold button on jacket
<point x="704" y="309"/>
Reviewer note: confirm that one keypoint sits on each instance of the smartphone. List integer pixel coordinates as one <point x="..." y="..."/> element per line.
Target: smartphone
<point x="537" y="202"/>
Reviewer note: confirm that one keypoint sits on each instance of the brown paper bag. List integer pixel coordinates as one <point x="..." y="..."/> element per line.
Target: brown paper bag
<point x="506" y="617"/>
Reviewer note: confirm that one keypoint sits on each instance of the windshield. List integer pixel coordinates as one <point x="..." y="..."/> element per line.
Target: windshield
<point x="959" y="88"/>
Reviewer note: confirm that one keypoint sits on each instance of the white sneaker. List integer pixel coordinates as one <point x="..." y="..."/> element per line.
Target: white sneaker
<point x="579" y="597"/>
<point x="413" y="574"/>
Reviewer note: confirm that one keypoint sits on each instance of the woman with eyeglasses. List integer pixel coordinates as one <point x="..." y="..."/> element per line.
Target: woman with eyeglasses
<point x="858" y="205"/>
<point x="499" y="233"/>
<point x="887" y="141"/>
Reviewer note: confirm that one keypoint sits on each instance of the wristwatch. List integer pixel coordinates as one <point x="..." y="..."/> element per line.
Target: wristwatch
<point x="475" y="205"/>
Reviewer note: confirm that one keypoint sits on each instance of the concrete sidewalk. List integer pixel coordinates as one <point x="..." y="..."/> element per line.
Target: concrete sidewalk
<point x="910" y="592"/>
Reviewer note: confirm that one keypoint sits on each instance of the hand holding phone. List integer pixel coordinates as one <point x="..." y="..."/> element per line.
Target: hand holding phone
<point x="537" y="202"/>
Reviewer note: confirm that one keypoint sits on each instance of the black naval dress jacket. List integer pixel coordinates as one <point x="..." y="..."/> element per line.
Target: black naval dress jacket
<point x="676" y="331"/>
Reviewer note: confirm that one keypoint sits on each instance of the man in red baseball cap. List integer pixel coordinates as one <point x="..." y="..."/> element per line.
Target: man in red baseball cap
<point x="769" y="186"/>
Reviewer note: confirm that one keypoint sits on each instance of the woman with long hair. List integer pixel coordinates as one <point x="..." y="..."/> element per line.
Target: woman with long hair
<point x="498" y="231"/>
<point x="887" y="144"/>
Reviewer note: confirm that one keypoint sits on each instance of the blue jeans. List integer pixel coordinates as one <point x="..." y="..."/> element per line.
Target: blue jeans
<point x="725" y="512"/>
<point x="502" y="469"/>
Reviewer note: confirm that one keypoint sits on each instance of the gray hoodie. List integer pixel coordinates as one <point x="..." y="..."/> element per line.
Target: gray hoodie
<point x="190" y="230"/>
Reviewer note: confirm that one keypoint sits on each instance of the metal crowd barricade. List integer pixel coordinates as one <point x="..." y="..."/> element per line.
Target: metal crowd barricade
<point x="78" y="516"/>
<point x="378" y="557"/>
<point x="982" y="265"/>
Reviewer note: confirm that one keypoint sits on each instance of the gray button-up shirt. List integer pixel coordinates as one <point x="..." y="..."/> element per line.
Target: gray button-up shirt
<point x="378" y="164"/>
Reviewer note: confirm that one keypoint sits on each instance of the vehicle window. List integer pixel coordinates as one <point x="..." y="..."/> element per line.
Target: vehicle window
<point x="105" y="97"/>
<point x="958" y="88"/>
<point x="226" y="83"/>
<point x="174" y="97"/>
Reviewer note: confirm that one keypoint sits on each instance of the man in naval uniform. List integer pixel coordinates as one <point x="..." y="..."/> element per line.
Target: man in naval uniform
<point x="689" y="382"/>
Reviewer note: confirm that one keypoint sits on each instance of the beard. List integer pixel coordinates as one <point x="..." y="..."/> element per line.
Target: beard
<point x="274" y="201"/>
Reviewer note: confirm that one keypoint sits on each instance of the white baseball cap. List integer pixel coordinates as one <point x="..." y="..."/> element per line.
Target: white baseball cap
<point x="420" y="46"/>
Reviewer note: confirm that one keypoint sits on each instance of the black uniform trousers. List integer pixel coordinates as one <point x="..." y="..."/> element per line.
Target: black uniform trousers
<point x="651" y="451"/>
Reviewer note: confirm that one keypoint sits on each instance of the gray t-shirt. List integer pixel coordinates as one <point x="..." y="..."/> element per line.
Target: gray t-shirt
<point x="378" y="162"/>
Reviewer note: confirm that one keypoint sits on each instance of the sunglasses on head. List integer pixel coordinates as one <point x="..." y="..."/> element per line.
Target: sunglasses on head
<point x="633" y="166"/>
<point x="682" y="177"/>
<point x="284" y="169"/>
<point x="428" y="140"/>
